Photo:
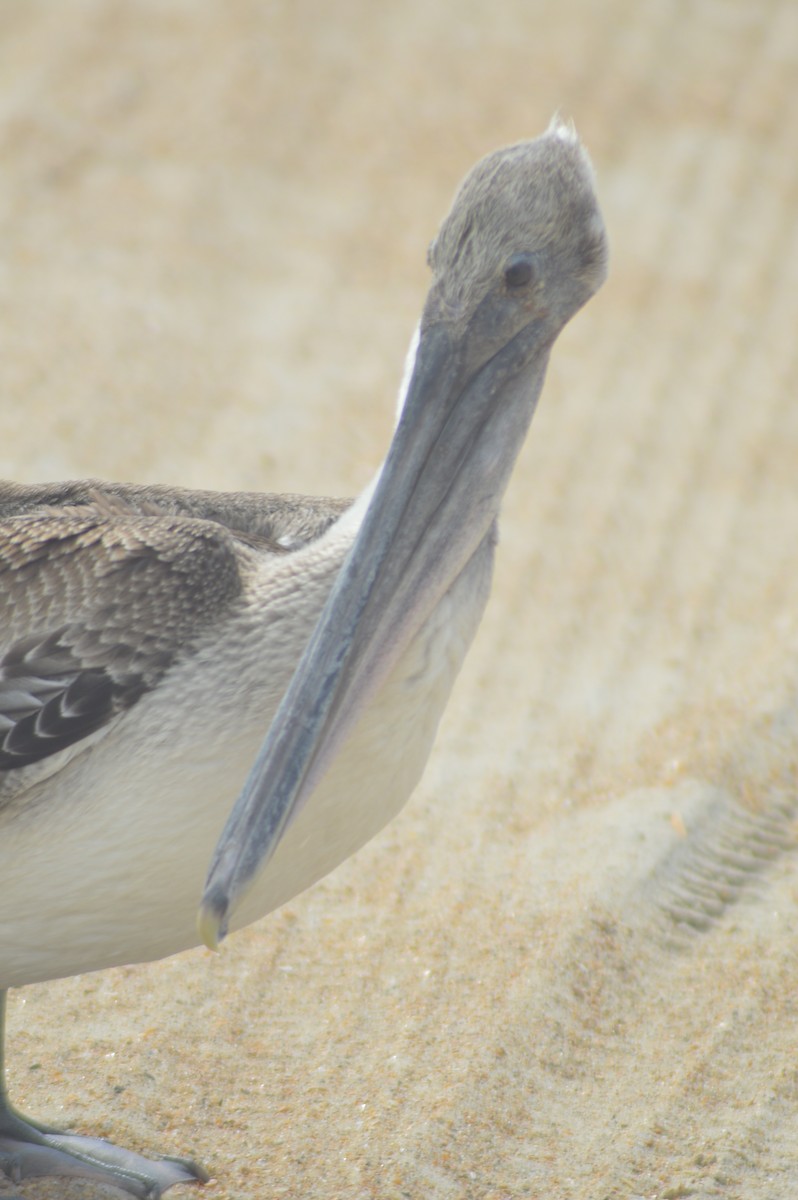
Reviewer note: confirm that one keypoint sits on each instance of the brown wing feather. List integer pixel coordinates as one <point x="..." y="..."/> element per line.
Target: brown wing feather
<point x="95" y="605"/>
<point x="279" y="522"/>
<point x="103" y="585"/>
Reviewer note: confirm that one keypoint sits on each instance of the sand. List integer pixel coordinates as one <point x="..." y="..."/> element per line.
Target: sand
<point x="569" y="969"/>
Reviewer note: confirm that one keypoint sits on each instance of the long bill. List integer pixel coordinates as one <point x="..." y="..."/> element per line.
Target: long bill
<point x="437" y="496"/>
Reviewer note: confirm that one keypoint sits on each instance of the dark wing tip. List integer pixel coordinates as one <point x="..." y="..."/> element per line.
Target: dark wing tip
<point x="52" y="698"/>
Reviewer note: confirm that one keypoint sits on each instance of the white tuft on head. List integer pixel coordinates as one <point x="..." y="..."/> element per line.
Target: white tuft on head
<point x="565" y="130"/>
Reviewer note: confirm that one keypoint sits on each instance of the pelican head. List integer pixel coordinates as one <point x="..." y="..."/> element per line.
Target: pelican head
<point x="522" y="249"/>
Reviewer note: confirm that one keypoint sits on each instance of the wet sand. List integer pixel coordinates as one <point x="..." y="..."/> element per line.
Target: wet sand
<point x="569" y="969"/>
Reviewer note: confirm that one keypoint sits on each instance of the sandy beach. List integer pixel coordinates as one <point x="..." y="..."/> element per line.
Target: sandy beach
<point x="569" y="969"/>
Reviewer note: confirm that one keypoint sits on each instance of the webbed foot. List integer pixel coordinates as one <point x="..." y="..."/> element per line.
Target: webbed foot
<point x="28" y="1151"/>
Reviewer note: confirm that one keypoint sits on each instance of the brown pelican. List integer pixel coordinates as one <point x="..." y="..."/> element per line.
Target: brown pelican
<point x="148" y="636"/>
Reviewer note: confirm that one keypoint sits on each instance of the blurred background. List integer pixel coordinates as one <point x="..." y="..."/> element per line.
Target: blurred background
<point x="569" y="968"/>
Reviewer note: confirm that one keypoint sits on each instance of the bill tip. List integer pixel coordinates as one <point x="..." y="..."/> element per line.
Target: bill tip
<point x="212" y="919"/>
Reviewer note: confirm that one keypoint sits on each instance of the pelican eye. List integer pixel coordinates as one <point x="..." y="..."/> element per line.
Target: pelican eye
<point x="520" y="271"/>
